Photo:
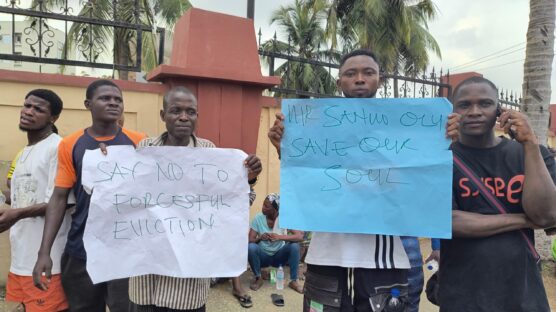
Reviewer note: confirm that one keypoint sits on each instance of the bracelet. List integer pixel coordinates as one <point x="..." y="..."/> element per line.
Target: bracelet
<point x="252" y="181"/>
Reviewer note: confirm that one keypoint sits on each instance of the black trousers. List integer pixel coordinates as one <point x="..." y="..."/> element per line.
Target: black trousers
<point x="328" y="286"/>
<point x="83" y="295"/>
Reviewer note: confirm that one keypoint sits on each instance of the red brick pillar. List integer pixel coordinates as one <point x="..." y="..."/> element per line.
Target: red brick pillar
<point x="215" y="55"/>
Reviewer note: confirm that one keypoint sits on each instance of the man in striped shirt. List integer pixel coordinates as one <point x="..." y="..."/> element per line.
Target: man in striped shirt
<point x="165" y="293"/>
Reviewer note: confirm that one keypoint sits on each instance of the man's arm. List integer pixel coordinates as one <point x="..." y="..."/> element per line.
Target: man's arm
<point x="474" y="225"/>
<point x="539" y="192"/>
<point x="9" y="216"/>
<point x="295" y="236"/>
<point x="276" y="133"/>
<point x="53" y="220"/>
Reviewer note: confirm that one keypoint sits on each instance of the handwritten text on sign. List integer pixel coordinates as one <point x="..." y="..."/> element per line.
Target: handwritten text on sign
<point x="172" y="211"/>
<point x="376" y="166"/>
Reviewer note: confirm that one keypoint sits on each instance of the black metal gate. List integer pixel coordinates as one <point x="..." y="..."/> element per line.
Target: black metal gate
<point x="96" y="35"/>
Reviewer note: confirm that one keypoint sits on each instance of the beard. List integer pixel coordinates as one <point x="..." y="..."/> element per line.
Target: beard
<point x="26" y="129"/>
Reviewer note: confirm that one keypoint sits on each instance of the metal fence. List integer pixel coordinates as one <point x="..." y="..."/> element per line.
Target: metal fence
<point x="282" y="60"/>
<point x="94" y="31"/>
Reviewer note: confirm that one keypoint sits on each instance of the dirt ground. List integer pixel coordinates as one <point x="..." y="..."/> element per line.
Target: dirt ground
<point x="221" y="299"/>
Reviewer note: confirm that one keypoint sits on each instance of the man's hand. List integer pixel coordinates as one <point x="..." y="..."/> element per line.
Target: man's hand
<point x="8" y="217"/>
<point x="435" y="255"/>
<point x="518" y="124"/>
<point x="103" y="149"/>
<point x="43" y="265"/>
<point x="253" y="165"/>
<point x="276" y="133"/>
<point x="265" y="236"/>
<point x="275" y="237"/>
<point x="452" y="127"/>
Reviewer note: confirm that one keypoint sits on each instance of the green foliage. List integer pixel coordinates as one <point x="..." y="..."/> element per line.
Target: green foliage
<point x="397" y="31"/>
<point x="303" y="24"/>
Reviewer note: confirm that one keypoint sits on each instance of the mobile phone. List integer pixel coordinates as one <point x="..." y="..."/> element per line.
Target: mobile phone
<point x="511" y="133"/>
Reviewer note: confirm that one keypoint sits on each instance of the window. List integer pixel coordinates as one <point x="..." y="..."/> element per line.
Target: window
<point x="17" y="38"/>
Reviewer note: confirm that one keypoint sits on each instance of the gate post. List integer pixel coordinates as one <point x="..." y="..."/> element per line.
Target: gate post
<point x="216" y="56"/>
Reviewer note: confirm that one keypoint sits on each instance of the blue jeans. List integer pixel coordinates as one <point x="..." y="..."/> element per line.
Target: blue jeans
<point x="415" y="280"/>
<point x="288" y="254"/>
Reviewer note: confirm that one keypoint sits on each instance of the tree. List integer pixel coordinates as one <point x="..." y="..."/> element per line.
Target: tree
<point x="396" y="31"/>
<point x="119" y="41"/>
<point x="303" y="24"/>
<point x="537" y="71"/>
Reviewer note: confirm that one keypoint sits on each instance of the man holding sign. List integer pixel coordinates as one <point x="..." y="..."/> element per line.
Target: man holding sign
<point x="105" y="102"/>
<point x="375" y="262"/>
<point x="161" y="293"/>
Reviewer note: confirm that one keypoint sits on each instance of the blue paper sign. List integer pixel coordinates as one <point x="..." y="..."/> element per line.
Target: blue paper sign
<point x="375" y="166"/>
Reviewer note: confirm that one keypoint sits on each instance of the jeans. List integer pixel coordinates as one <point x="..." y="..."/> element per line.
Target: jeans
<point x="415" y="280"/>
<point x="288" y="254"/>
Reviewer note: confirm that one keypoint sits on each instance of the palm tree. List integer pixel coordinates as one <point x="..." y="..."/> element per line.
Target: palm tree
<point x="396" y="31"/>
<point x="303" y="23"/>
<point x="121" y="41"/>
<point x="537" y="70"/>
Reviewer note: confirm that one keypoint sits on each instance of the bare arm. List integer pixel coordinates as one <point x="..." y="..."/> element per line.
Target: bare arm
<point x="10" y="216"/>
<point x="539" y="192"/>
<point x="295" y="236"/>
<point x="53" y="220"/>
<point x="253" y="236"/>
<point x="470" y="224"/>
<point x="276" y="133"/>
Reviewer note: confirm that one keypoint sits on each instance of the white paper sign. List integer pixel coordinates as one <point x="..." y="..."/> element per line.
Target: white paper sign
<point x="173" y="211"/>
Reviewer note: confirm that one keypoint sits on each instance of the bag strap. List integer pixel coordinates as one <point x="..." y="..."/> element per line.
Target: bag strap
<point x="490" y="198"/>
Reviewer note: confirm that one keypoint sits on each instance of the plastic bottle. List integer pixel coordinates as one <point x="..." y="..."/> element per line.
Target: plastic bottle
<point x="432" y="266"/>
<point x="280" y="278"/>
<point x="394" y="303"/>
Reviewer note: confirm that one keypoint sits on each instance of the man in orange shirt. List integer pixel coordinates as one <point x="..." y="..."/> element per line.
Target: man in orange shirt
<point x="104" y="101"/>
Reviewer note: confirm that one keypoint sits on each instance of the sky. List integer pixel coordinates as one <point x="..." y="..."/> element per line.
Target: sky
<point x="474" y="35"/>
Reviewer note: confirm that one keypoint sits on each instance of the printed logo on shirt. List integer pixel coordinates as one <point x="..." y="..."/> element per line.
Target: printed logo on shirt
<point x="510" y="190"/>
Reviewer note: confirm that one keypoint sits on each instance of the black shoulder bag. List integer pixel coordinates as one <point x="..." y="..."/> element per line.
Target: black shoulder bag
<point x="432" y="284"/>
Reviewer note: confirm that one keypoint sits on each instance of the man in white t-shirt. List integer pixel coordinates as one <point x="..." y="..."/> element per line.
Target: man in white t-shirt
<point x="31" y="186"/>
<point x="375" y="263"/>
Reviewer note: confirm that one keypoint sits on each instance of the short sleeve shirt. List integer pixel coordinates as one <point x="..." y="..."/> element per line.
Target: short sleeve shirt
<point x="260" y="226"/>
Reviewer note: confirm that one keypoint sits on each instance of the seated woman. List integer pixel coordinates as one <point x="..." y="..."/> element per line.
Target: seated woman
<point x="269" y="245"/>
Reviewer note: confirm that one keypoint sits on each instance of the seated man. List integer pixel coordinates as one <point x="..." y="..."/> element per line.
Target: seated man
<point x="269" y="245"/>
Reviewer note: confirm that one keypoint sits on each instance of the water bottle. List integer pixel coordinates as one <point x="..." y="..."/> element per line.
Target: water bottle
<point x="394" y="304"/>
<point x="432" y="266"/>
<point x="280" y="278"/>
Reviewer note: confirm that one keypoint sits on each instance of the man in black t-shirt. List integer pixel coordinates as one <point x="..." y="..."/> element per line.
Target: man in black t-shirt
<point x="488" y="265"/>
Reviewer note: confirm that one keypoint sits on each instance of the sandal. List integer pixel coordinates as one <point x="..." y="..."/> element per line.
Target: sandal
<point x="244" y="300"/>
<point x="277" y="299"/>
